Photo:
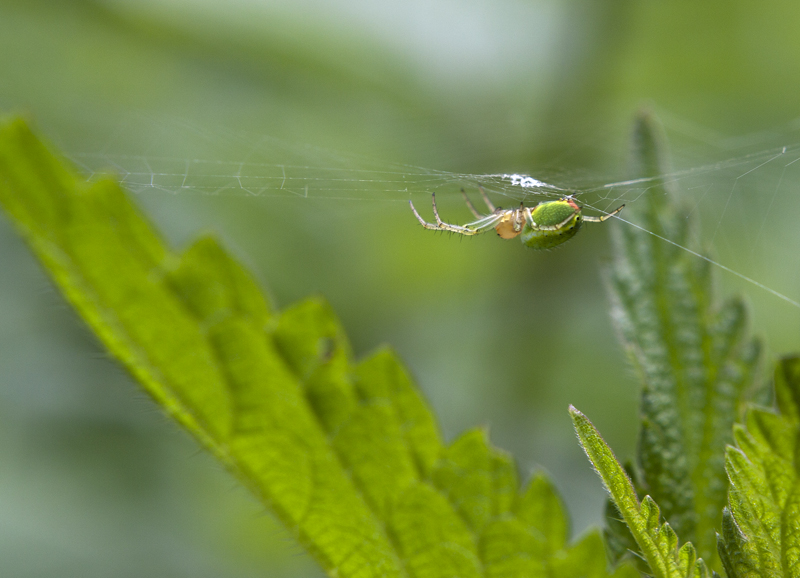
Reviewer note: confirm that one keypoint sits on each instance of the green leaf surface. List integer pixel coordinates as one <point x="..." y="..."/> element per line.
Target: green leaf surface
<point x="619" y="541"/>
<point x="693" y="356"/>
<point x="761" y="528"/>
<point x="658" y="542"/>
<point x="346" y="454"/>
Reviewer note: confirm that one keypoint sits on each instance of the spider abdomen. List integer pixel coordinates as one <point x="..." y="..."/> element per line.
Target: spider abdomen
<point x="551" y="223"/>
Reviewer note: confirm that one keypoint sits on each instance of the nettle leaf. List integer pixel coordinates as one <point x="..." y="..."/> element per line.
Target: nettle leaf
<point x="346" y="454"/>
<point x="657" y="542"/>
<point x="619" y="541"/>
<point x="761" y="527"/>
<point x="694" y="357"/>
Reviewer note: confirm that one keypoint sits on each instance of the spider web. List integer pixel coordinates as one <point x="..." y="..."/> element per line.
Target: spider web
<point x="746" y="199"/>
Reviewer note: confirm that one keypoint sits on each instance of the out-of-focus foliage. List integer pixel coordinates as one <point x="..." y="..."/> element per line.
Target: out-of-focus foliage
<point x="697" y="364"/>
<point x="698" y="367"/>
<point x="496" y="335"/>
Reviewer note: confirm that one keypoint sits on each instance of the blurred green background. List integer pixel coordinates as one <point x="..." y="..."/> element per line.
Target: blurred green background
<point x="94" y="481"/>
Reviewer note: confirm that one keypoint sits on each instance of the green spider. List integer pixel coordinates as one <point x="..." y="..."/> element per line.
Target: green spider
<point x="543" y="226"/>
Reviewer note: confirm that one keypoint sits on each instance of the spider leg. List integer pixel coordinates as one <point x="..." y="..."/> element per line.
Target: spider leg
<point x="421" y="220"/>
<point x="519" y="217"/>
<point x="528" y="217"/>
<point x="458" y="229"/>
<point x="446" y="226"/>
<point x="440" y="225"/>
<point x="487" y="222"/>
<point x="436" y="210"/>
<point x="604" y="217"/>
<point x="560" y="225"/>
<point x="470" y="205"/>
<point x="486" y="200"/>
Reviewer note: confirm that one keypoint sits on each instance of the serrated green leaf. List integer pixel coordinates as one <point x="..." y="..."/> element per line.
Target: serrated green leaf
<point x="695" y="360"/>
<point x="620" y="542"/>
<point x="541" y="509"/>
<point x="761" y="527"/>
<point x="658" y="542"/>
<point x="347" y="455"/>
<point x="787" y="394"/>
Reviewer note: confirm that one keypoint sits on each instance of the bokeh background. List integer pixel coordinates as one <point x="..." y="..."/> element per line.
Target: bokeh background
<point x="94" y="481"/>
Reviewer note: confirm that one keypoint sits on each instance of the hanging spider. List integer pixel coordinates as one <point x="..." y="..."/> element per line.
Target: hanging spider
<point x="543" y="226"/>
